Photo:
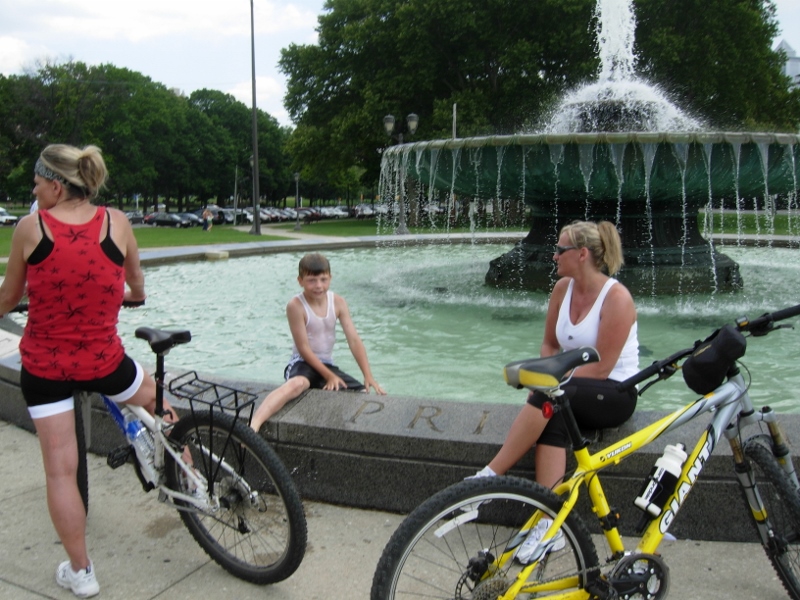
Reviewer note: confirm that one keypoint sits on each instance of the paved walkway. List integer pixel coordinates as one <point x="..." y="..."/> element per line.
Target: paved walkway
<point x="142" y="551"/>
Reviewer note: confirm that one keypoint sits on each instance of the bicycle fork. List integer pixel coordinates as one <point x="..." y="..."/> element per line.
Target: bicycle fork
<point x="744" y="470"/>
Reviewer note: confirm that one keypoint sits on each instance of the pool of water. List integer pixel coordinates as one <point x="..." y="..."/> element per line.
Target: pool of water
<point x="433" y="329"/>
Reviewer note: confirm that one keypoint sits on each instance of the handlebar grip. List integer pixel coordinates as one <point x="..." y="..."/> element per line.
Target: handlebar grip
<point x="646" y="373"/>
<point x="767" y="318"/>
<point x="786" y="313"/>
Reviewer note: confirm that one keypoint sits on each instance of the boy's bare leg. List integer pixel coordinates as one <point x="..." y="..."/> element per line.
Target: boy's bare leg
<point x="277" y="398"/>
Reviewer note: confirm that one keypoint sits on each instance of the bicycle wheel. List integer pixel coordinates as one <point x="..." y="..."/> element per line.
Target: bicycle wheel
<point x="255" y="527"/>
<point x="80" y="436"/>
<point x="782" y="504"/>
<point x="460" y="544"/>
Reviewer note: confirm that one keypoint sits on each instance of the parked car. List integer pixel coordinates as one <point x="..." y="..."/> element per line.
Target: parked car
<point x="227" y="215"/>
<point x="194" y="219"/>
<point x="164" y="219"/>
<point x="269" y="215"/>
<point x="148" y="219"/>
<point x="333" y="212"/>
<point x="7" y="218"/>
<point x="309" y="215"/>
<point x="135" y="216"/>
<point x="347" y="210"/>
<point x="364" y="211"/>
<point x="432" y="209"/>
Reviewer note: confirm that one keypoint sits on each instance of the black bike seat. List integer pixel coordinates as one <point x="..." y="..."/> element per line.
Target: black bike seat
<point x="547" y="373"/>
<point x="160" y="340"/>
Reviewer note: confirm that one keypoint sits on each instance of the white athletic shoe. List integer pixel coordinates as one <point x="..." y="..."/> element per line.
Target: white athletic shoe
<point x="83" y="583"/>
<point x="529" y="546"/>
<point x="484" y="472"/>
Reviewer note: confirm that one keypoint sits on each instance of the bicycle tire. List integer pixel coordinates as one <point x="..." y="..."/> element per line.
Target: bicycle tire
<point x="258" y="532"/>
<point x="430" y="554"/>
<point x="83" y="468"/>
<point x="782" y="504"/>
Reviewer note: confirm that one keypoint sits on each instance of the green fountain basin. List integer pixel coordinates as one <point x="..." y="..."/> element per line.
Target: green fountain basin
<point x="650" y="184"/>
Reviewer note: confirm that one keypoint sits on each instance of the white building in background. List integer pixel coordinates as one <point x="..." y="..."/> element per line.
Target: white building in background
<point x="792" y="66"/>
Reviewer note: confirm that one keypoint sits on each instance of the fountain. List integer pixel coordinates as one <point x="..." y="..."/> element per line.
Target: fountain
<point x="617" y="150"/>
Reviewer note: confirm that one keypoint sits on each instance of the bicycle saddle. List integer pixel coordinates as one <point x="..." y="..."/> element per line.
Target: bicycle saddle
<point x="547" y="373"/>
<point x="160" y="340"/>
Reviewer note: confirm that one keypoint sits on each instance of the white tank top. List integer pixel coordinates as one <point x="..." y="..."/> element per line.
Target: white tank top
<point x="585" y="333"/>
<point x="321" y="331"/>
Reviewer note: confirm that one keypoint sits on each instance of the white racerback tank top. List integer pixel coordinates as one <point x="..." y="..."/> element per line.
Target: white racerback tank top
<point x="572" y="336"/>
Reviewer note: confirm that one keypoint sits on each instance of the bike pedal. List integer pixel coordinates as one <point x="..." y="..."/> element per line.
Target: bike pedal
<point x="119" y="456"/>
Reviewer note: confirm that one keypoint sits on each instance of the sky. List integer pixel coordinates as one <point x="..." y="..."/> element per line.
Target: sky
<point x="189" y="44"/>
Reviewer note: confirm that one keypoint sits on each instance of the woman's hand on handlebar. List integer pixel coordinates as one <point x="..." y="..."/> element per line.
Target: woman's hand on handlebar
<point x="131" y="301"/>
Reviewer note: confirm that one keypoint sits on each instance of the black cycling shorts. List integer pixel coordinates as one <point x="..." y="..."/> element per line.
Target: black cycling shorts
<point x="597" y="404"/>
<point x="46" y="397"/>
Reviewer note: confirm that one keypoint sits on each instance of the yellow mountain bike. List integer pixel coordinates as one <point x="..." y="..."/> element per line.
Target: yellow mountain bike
<point x="464" y="542"/>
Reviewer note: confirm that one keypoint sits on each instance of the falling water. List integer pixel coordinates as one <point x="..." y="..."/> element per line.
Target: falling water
<point x="618" y="100"/>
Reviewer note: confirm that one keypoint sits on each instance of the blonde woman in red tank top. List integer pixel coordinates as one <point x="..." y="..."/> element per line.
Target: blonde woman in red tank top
<point x="73" y="259"/>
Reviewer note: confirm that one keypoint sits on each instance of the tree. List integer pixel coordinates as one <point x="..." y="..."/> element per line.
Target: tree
<point x="715" y="58"/>
<point x="501" y="61"/>
<point x="505" y="62"/>
<point x="155" y="142"/>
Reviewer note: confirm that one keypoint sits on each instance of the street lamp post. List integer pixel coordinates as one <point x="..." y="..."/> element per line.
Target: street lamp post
<point x="297" y="201"/>
<point x="256" y="229"/>
<point x="412" y="121"/>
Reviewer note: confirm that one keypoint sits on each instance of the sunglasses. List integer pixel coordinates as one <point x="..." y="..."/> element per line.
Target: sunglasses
<point x="561" y="249"/>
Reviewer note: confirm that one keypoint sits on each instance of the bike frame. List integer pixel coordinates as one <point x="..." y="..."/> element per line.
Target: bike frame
<point x="155" y="476"/>
<point x="733" y="410"/>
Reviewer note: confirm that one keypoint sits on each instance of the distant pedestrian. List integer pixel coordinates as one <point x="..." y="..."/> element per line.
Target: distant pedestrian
<point x="208" y="220"/>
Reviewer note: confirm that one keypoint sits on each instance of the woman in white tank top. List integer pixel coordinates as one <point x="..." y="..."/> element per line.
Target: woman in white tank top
<point x="586" y="307"/>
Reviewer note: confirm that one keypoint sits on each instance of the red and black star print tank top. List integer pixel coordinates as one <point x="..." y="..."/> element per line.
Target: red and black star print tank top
<point x="74" y="295"/>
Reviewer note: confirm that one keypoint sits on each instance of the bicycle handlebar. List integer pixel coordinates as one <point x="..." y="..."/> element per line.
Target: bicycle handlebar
<point x="23" y="306"/>
<point x="763" y="325"/>
<point x="667" y="367"/>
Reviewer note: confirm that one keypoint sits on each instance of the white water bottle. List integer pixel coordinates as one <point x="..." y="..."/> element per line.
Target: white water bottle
<point x="140" y="439"/>
<point x="662" y="480"/>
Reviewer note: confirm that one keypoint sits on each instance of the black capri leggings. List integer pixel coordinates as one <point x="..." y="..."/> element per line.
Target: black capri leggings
<point x="596" y="403"/>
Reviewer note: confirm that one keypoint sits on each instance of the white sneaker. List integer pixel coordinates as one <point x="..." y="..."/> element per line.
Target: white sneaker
<point x="484" y="472"/>
<point x="83" y="583"/>
<point x="526" y="550"/>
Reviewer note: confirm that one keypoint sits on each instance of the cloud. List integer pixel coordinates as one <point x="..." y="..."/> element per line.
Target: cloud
<point x="14" y="52"/>
<point x="269" y="96"/>
<point x="146" y="19"/>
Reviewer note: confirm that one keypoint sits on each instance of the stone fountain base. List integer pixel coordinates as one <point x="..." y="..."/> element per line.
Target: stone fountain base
<point x="658" y="271"/>
<point x="667" y="255"/>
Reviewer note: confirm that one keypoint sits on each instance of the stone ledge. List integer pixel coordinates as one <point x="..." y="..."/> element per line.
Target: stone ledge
<point x="391" y="453"/>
